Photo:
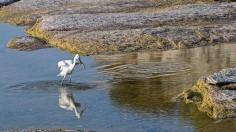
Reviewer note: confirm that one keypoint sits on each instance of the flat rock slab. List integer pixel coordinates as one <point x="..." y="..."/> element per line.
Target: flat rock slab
<point x="182" y="15"/>
<point x="27" y="43"/>
<point x="218" y="101"/>
<point x="39" y="4"/>
<point x="119" y="26"/>
<point x="225" y="76"/>
<point x="104" y="33"/>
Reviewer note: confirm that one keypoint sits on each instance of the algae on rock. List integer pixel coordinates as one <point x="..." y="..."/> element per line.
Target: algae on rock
<point x="214" y="99"/>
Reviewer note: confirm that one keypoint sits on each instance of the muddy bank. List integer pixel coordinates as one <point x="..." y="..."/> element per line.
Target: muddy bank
<point x="117" y="26"/>
<point x="214" y="94"/>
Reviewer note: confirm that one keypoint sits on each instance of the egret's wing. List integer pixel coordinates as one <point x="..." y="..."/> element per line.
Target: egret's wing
<point x="64" y="64"/>
<point x="69" y="62"/>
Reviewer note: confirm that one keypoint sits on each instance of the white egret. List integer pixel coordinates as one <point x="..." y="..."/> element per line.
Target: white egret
<point x="67" y="67"/>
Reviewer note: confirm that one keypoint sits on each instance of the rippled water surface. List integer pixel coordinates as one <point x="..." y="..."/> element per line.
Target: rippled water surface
<point x="130" y="92"/>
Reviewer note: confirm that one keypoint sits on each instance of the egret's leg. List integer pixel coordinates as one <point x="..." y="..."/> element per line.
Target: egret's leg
<point x="63" y="80"/>
<point x="70" y="78"/>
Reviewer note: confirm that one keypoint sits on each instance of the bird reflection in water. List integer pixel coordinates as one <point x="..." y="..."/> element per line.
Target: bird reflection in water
<point x="66" y="101"/>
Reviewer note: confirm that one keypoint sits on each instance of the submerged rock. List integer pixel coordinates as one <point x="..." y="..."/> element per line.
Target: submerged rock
<point x="214" y="94"/>
<point x="27" y="43"/>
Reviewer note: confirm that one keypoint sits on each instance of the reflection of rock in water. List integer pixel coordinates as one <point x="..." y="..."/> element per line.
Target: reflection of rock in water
<point x="203" y="61"/>
<point x="146" y="70"/>
<point x="228" y="125"/>
<point x="66" y="101"/>
<point x="189" y="113"/>
<point x="141" y="96"/>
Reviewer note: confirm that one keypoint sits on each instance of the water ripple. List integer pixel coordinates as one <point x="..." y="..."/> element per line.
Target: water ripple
<point x="145" y="70"/>
<point x="49" y="85"/>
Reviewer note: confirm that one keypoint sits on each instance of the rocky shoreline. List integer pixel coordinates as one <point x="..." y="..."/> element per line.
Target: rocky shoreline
<point x="214" y="94"/>
<point x="118" y="26"/>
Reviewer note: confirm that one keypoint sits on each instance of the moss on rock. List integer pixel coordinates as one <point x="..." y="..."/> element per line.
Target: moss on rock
<point x="215" y="100"/>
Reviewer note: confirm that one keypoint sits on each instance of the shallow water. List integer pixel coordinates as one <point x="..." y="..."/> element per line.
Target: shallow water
<point x="130" y="92"/>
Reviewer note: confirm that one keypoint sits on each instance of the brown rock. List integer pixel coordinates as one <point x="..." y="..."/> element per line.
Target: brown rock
<point x="27" y="43"/>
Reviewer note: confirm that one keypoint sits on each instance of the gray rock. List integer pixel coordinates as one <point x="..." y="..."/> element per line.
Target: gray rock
<point x="182" y="15"/>
<point x="43" y="4"/>
<point x="39" y="4"/>
<point x="225" y="76"/>
<point x="128" y="32"/>
<point x="24" y="12"/>
<point x="62" y="7"/>
<point x="130" y="40"/>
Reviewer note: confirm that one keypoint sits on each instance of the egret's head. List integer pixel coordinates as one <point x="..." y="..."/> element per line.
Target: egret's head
<point x="78" y="60"/>
<point x="77" y="56"/>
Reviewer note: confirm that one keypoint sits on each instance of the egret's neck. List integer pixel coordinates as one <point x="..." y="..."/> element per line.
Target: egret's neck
<point x="74" y="62"/>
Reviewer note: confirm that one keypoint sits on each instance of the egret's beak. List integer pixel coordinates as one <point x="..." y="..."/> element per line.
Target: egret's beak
<point x="80" y="62"/>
